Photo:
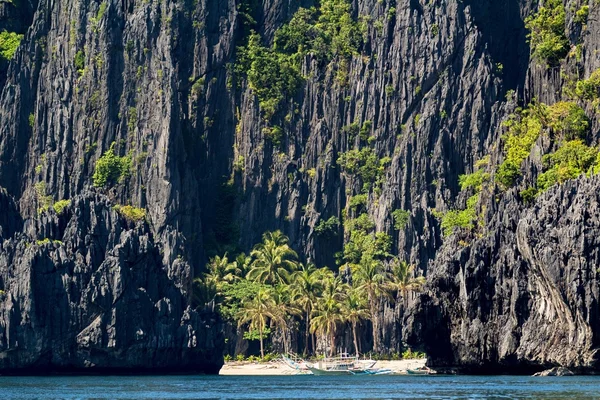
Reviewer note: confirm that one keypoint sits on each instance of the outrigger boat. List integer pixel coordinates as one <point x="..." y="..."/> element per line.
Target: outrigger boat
<point x="345" y="365"/>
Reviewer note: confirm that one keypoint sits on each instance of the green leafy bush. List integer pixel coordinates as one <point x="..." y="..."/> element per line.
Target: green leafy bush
<point x="474" y="180"/>
<point x="523" y="130"/>
<point x="528" y="195"/>
<point x="581" y="15"/>
<point x="110" y="168"/>
<point x="400" y="219"/>
<point x="365" y="164"/>
<point x="9" y="42"/>
<point x="568" y="119"/>
<point x="133" y="214"/>
<point x="571" y="160"/>
<point x="327" y="227"/>
<point x="547" y="32"/>
<point x="273" y="73"/>
<point x="60" y="206"/>
<point x="358" y="202"/>
<point x="589" y="89"/>
<point x="455" y="219"/>
<point x="80" y="61"/>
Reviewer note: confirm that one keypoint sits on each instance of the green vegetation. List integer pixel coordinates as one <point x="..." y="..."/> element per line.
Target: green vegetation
<point x="455" y="219"/>
<point x="465" y="218"/>
<point x="365" y="165"/>
<point x="547" y="32"/>
<point x="474" y="180"/>
<point x="270" y="290"/>
<point x="44" y="200"/>
<point x="271" y="75"/>
<point x="130" y="213"/>
<point x="589" y="89"/>
<point x="110" y="168"/>
<point x="581" y="15"/>
<point x="328" y="32"/>
<point x="60" y="206"/>
<point x="80" y="62"/>
<point x="524" y="128"/>
<point x="571" y="159"/>
<point x="401" y="218"/>
<point x="9" y="42"/>
<point x="327" y="227"/>
<point x="567" y="119"/>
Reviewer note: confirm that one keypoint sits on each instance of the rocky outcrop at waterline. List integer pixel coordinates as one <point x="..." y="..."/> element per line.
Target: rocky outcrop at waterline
<point x="523" y="298"/>
<point x="86" y="290"/>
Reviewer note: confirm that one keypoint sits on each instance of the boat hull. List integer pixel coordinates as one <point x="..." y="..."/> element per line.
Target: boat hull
<point x="317" y="371"/>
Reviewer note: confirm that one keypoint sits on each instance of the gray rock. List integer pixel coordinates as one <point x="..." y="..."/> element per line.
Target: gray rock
<point x="556" y="371"/>
<point x="91" y="293"/>
<point x="431" y="77"/>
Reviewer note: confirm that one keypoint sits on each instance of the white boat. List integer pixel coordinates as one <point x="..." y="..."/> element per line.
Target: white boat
<point x="345" y="365"/>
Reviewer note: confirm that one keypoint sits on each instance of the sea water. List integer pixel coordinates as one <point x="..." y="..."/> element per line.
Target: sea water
<point x="300" y="387"/>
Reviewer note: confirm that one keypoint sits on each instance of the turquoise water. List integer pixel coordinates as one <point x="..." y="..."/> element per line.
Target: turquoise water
<point x="300" y="387"/>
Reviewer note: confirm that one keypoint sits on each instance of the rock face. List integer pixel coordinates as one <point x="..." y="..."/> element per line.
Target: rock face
<point x="556" y="371"/>
<point x="158" y="79"/>
<point x="93" y="294"/>
<point x="523" y="297"/>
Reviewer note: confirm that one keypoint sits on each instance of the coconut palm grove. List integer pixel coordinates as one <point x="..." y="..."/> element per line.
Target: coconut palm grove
<point x="269" y="296"/>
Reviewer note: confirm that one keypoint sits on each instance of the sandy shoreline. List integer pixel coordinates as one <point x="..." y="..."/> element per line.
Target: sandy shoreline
<point x="280" y="368"/>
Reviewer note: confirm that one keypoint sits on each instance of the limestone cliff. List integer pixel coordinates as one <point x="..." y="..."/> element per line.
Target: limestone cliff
<point x="426" y="87"/>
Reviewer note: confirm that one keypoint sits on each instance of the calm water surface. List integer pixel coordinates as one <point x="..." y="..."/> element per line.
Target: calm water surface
<point x="300" y="387"/>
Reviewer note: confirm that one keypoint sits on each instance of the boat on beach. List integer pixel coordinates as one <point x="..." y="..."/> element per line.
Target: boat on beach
<point x="345" y="365"/>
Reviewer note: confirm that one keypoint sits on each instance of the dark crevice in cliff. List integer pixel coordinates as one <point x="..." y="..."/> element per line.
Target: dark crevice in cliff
<point x="503" y="29"/>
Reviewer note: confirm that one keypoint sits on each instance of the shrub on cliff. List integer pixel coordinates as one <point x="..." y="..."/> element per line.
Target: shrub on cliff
<point x="547" y="32"/>
<point x="130" y="213"/>
<point x="111" y="168"/>
<point x="9" y="41"/>
<point x="568" y="119"/>
<point x="523" y="131"/>
<point x="571" y="160"/>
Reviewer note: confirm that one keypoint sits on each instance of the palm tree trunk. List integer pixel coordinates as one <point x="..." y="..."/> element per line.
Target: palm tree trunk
<point x="354" y="334"/>
<point x="374" y="322"/>
<point x="260" y="334"/>
<point x="307" y="332"/>
<point x="332" y="344"/>
<point x="285" y="342"/>
<point x="314" y="344"/>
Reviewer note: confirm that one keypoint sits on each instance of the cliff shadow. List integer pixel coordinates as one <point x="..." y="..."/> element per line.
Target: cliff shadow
<point x="503" y="30"/>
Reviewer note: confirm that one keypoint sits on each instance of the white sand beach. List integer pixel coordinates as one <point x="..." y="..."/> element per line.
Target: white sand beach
<point x="280" y="368"/>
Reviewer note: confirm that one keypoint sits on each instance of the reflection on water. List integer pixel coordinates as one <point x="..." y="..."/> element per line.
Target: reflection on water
<point x="301" y="387"/>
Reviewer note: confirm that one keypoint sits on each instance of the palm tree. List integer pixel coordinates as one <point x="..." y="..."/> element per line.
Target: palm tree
<point x="242" y="263"/>
<point x="274" y="260"/>
<point x="403" y="281"/>
<point x="370" y="277"/>
<point x="283" y="310"/>
<point x="257" y="311"/>
<point x="328" y="314"/>
<point x="355" y="310"/>
<point x="221" y="271"/>
<point x="307" y="284"/>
